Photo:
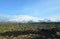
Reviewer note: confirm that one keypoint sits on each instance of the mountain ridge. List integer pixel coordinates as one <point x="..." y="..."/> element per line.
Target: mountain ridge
<point x="25" y="19"/>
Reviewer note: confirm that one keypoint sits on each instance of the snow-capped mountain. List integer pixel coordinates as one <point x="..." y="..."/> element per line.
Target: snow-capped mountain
<point x="20" y="18"/>
<point x="24" y="19"/>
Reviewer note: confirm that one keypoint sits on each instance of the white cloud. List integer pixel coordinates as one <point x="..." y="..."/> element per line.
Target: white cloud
<point x="54" y="17"/>
<point x="20" y="18"/>
<point x="26" y="18"/>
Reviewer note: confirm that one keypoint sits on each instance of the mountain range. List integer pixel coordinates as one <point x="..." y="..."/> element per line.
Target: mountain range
<point x="24" y="19"/>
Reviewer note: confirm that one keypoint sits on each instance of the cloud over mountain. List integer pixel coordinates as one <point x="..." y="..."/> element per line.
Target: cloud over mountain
<point x="27" y="18"/>
<point x="19" y="18"/>
<point x="24" y="18"/>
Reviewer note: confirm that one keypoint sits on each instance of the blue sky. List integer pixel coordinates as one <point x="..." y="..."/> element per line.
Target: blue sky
<point x="37" y="8"/>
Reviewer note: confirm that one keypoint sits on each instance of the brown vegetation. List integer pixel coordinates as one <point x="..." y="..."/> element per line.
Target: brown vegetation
<point x="30" y="30"/>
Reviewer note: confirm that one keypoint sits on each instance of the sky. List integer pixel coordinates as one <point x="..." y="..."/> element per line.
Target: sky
<point x="35" y="8"/>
